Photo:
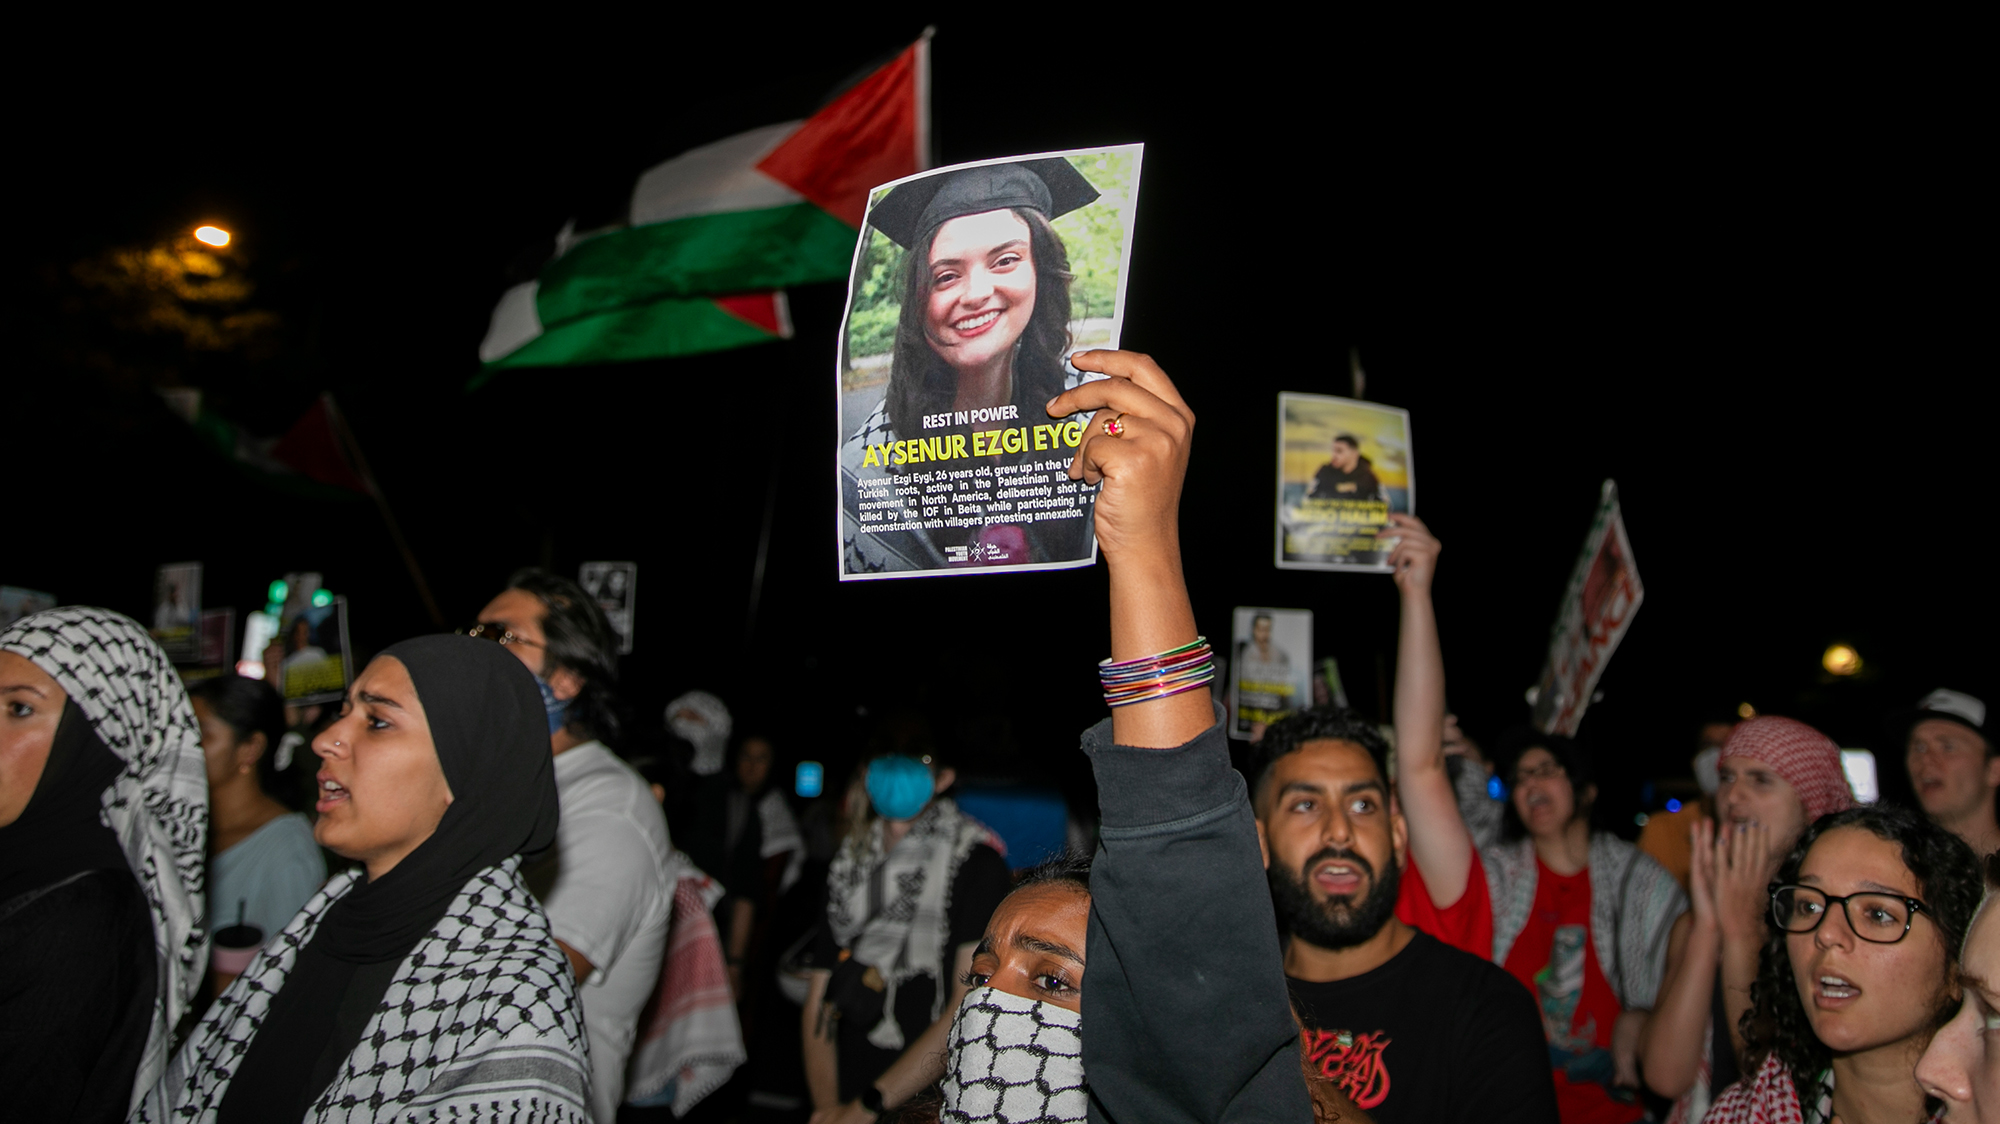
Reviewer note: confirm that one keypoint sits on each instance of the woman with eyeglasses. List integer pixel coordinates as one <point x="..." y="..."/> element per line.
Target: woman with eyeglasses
<point x="1777" y="775"/>
<point x="1859" y="971"/>
<point x="1582" y="919"/>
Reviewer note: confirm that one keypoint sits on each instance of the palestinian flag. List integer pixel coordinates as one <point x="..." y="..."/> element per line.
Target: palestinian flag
<point x="713" y="233"/>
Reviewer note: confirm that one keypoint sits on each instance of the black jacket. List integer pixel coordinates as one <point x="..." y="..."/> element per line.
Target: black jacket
<point x="1185" y="1013"/>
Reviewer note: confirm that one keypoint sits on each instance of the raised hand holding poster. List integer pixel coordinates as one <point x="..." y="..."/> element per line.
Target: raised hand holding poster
<point x="1343" y="466"/>
<point x="972" y="286"/>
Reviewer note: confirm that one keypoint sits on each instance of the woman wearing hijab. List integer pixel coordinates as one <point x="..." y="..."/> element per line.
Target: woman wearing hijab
<point x="982" y="329"/>
<point x="103" y="806"/>
<point x="427" y="984"/>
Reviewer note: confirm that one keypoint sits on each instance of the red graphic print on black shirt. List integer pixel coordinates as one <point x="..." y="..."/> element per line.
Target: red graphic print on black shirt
<point x="1353" y="1061"/>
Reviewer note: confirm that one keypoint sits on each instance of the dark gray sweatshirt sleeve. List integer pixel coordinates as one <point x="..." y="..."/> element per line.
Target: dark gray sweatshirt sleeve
<point x="1185" y="1013"/>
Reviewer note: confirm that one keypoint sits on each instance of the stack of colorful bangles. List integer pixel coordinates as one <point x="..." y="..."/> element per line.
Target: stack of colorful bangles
<point x="1155" y="677"/>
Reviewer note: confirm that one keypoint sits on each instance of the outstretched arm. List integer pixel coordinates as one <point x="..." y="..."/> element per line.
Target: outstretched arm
<point x="1439" y="843"/>
<point x="1138" y="526"/>
<point x="1185" y="1010"/>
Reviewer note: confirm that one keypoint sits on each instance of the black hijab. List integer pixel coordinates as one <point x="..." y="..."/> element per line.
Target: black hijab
<point x="491" y="731"/>
<point x="62" y="833"/>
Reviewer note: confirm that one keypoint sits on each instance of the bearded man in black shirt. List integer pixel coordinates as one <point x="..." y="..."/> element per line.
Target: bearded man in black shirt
<point x="1411" y="1028"/>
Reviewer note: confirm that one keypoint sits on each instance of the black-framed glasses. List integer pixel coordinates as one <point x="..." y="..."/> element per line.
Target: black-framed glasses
<point x="1878" y="918"/>
<point x="499" y="634"/>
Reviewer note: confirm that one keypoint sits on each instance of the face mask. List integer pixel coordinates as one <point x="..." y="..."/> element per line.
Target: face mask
<point x="899" y="787"/>
<point x="1704" y="769"/>
<point x="1012" y="1061"/>
<point x="555" y="707"/>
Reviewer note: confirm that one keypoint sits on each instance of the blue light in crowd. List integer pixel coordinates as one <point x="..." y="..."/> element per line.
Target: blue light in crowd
<point x="1495" y="789"/>
<point x="1673" y="805"/>
<point x="810" y="780"/>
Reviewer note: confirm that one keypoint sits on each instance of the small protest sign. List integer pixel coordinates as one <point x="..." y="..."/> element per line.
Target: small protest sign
<point x="615" y="587"/>
<point x="1271" y="672"/>
<point x="1597" y="607"/>
<point x="308" y="660"/>
<point x="177" y="611"/>
<point x="971" y="287"/>
<point x="1343" y="466"/>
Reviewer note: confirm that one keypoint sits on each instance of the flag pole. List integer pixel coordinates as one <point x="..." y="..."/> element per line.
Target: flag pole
<point x="353" y="451"/>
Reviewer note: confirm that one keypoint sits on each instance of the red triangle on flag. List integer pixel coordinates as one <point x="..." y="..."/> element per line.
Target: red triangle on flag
<point x="311" y="448"/>
<point x="768" y="311"/>
<point x="876" y="132"/>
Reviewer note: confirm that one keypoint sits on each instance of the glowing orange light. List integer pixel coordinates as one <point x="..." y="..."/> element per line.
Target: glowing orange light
<point x="1841" y="660"/>
<point x="1746" y="712"/>
<point x="213" y="235"/>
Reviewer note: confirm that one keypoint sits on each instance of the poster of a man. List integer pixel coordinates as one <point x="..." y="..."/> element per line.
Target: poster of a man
<point x="313" y="667"/>
<point x="972" y="287"/>
<point x="1343" y="466"/>
<point x="1271" y="674"/>
<point x="176" y="608"/>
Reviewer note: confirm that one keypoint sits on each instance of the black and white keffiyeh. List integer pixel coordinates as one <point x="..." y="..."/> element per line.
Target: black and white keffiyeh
<point x="158" y="805"/>
<point x="480" y="1023"/>
<point x="903" y="933"/>
<point x="1013" y="1061"/>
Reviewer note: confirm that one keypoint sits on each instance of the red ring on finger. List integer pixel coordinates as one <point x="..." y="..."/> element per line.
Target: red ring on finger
<point x="1113" y="426"/>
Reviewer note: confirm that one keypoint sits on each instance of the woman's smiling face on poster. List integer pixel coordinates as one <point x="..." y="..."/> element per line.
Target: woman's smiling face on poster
<point x="982" y="287"/>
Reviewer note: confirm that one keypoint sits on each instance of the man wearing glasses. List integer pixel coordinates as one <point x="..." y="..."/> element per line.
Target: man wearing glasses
<point x="605" y="883"/>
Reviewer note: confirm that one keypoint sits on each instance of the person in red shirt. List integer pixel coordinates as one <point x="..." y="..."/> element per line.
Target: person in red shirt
<point x="1582" y="919"/>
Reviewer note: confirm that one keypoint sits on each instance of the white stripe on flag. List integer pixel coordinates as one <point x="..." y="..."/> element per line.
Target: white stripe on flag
<point x="715" y="178"/>
<point x="515" y="322"/>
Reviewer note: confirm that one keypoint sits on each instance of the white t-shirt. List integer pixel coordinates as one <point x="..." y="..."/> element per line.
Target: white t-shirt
<point x="607" y="893"/>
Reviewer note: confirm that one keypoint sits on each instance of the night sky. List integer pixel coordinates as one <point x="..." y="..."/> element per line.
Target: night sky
<point x="1739" y="283"/>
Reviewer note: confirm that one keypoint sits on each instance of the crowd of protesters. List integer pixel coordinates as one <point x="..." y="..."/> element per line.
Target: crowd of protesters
<point x="1347" y="924"/>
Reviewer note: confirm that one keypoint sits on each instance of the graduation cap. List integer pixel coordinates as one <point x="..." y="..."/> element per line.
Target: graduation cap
<point x="1052" y="186"/>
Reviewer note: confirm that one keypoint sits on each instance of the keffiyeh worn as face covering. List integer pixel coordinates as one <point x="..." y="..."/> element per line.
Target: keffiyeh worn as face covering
<point x="705" y="725"/>
<point x="1013" y="1061"/>
<point x="158" y="803"/>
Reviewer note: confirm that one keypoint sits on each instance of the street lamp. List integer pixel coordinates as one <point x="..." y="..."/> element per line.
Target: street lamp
<point x="213" y="235"/>
<point x="1842" y="660"/>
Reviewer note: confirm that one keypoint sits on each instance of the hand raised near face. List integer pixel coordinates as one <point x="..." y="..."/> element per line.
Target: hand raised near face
<point x="1142" y="465"/>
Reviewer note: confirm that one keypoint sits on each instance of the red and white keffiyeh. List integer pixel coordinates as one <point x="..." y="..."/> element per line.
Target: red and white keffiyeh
<point x="1807" y="759"/>
<point x="1770" y="1098"/>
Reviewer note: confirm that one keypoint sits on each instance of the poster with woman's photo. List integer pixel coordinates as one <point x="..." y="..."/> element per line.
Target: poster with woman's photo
<point x="1271" y="667"/>
<point x="1343" y="467"/>
<point x="972" y="286"/>
<point x="615" y="586"/>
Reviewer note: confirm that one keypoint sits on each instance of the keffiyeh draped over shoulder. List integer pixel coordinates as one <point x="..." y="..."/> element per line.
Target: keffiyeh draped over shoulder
<point x="158" y="805"/>
<point x="1771" y="1097"/>
<point x="481" y="1022"/>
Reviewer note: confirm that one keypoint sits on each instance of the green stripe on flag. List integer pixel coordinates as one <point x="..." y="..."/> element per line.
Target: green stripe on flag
<point x="659" y="330"/>
<point x="732" y="252"/>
